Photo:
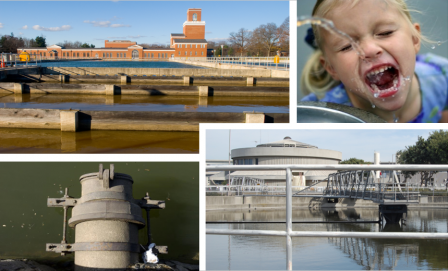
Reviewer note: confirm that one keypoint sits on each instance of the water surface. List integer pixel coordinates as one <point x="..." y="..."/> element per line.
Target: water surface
<point x="269" y="253"/>
<point x="146" y="103"/>
<point x="120" y="64"/>
<point x="55" y="141"/>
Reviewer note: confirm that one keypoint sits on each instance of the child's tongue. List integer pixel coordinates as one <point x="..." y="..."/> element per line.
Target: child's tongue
<point x="382" y="80"/>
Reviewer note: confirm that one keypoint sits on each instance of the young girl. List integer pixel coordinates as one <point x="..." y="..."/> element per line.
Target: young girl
<point x="387" y="78"/>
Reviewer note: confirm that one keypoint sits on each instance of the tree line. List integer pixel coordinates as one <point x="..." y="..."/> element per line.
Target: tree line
<point x="431" y="151"/>
<point x="10" y="43"/>
<point x="264" y="40"/>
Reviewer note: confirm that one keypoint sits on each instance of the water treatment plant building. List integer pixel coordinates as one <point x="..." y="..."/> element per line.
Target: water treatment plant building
<point x="189" y="44"/>
<point x="283" y="152"/>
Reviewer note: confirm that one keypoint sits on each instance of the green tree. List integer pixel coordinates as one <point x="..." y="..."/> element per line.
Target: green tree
<point x="41" y="41"/>
<point x="85" y="45"/>
<point x="430" y="151"/>
<point x="355" y="161"/>
<point x="92" y="46"/>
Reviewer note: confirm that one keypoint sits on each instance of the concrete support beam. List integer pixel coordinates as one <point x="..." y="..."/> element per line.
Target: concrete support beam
<point x="69" y="120"/>
<point x="203" y="101"/>
<point x="110" y="90"/>
<point x="203" y="91"/>
<point x="187" y="79"/>
<point x="124" y="79"/>
<point x="62" y="78"/>
<point x="250" y="81"/>
<point x="18" y="88"/>
<point x="254" y="117"/>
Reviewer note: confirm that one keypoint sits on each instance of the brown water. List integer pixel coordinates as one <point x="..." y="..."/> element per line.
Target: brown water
<point x="55" y="141"/>
<point x="146" y="103"/>
<point x="27" y="224"/>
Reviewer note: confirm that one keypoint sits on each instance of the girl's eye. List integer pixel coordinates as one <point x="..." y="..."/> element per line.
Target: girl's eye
<point x="346" y="48"/>
<point x="387" y="33"/>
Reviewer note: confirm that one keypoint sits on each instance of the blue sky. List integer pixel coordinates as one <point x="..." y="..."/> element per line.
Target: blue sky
<point x="359" y="143"/>
<point x="141" y="21"/>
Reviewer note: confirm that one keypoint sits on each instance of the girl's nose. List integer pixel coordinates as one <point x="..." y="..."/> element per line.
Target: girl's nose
<point x="371" y="49"/>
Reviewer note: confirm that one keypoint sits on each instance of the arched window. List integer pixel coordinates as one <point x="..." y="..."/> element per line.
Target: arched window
<point x="83" y="54"/>
<point x="124" y="55"/>
<point x="202" y="53"/>
<point x="134" y="54"/>
<point x="158" y="55"/>
<point x="195" y="53"/>
<point x="87" y="54"/>
<point x="104" y="55"/>
<point x="179" y="52"/>
<point x="185" y="52"/>
<point x="152" y="55"/>
<point x="191" y="53"/>
<point x="195" y="17"/>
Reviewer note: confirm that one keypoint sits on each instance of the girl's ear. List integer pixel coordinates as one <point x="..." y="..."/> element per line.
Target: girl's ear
<point x="416" y="40"/>
<point x="327" y="66"/>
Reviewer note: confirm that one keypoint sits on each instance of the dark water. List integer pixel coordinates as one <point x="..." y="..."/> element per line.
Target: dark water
<point x="269" y="253"/>
<point x="27" y="224"/>
<point x="54" y="141"/>
<point x="146" y="103"/>
<point x="120" y="64"/>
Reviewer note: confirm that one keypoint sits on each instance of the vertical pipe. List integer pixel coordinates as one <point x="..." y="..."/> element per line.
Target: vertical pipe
<point x="288" y="219"/>
<point x="148" y="227"/>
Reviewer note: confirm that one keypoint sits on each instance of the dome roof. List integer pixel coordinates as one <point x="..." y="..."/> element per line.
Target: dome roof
<point x="287" y="142"/>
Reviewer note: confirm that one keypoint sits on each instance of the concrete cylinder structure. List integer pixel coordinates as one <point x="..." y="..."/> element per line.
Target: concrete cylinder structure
<point x="106" y="221"/>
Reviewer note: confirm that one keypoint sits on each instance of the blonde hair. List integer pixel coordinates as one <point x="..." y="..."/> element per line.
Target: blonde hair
<point x="315" y="79"/>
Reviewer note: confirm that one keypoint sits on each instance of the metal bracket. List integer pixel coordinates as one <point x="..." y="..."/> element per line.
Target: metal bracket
<point x="106" y="175"/>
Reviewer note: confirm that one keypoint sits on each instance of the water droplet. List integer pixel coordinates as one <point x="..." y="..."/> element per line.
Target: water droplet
<point x="433" y="47"/>
<point x="393" y="95"/>
<point x="373" y="106"/>
<point x="439" y="43"/>
<point x="395" y="120"/>
<point x="376" y="95"/>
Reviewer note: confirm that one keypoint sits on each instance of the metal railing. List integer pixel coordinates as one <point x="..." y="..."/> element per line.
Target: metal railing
<point x="288" y="233"/>
<point x="240" y="190"/>
<point x="263" y="62"/>
<point x="13" y="60"/>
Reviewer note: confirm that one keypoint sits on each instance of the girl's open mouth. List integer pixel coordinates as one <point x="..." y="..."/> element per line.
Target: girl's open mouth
<point x="384" y="80"/>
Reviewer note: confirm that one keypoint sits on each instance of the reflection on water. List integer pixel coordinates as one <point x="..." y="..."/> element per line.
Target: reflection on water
<point x="120" y="64"/>
<point x="27" y="224"/>
<point x="254" y="252"/>
<point x="55" y="141"/>
<point x="146" y="103"/>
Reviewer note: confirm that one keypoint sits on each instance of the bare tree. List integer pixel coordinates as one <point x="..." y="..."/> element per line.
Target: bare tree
<point x="240" y="40"/>
<point x="266" y="35"/>
<point x="283" y="33"/>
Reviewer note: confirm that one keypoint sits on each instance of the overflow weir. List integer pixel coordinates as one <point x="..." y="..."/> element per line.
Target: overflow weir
<point x="106" y="220"/>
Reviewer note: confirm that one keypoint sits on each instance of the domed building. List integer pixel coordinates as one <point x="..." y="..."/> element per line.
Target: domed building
<point x="284" y="152"/>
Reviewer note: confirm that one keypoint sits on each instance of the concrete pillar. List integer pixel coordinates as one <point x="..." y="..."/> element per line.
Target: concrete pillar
<point x="18" y="88"/>
<point x="254" y="117"/>
<point x="18" y="98"/>
<point x="203" y="91"/>
<point x="250" y="81"/>
<point x="62" y="78"/>
<point x="124" y="79"/>
<point x="110" y="90"/>
<point x="69" y="120"/>
<point x="187" y="79"/>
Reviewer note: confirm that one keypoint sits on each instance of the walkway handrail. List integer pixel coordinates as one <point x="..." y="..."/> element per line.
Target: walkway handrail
<point x="330" y="167"/>
<point x="289" y="233"/>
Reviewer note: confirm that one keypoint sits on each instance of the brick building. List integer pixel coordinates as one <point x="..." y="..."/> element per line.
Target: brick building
<point x="189" y="44"/>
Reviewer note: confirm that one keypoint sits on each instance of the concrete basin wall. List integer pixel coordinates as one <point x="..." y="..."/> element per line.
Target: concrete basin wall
<point x="272" y="202"/>
<point x="165" y="71"/>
